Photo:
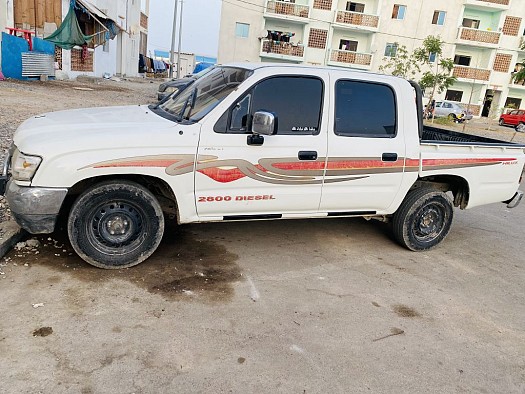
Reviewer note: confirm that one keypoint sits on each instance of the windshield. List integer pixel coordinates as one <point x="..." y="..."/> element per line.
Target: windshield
<point x="205" y="94"/>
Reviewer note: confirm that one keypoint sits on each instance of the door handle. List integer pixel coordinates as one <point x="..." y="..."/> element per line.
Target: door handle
<point x="307" y="155"/>
<point x="389" y="157"/>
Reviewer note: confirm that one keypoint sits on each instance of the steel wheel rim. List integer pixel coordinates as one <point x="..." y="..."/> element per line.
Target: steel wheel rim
<point x="430" y="222"/>
<point x="114" y="225"/>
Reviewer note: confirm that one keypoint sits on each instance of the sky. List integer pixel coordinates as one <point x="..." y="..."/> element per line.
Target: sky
<point x="200" y="26"/>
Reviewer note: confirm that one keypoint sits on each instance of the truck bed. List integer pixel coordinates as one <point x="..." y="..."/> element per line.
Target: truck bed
<point x="435" y="134"/>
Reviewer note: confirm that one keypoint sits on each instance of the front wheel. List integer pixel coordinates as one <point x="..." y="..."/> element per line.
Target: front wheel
<point x="115" y="225"/>
<point x="501" y="122"/>
<point x="424" y="219"/>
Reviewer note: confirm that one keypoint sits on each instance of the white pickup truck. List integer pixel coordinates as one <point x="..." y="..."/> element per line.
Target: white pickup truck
<point x="252" y="142"/>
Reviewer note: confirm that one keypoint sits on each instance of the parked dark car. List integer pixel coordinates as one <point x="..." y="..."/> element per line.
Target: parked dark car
<point x="176" y="86"/>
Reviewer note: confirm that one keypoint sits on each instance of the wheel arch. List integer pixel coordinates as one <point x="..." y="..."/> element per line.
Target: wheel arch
<point x="158" y="187"/>
<point x="458" y="185"/>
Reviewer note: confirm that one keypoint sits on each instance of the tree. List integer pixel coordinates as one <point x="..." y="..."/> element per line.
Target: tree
<point x="439" y="69"/>
<point x="402" y="64"/>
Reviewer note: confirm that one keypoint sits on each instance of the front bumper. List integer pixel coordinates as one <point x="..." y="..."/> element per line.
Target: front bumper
<point x="35" y="209"/>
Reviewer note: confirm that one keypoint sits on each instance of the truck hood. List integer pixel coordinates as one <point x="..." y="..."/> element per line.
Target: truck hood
<point x="90" y="128"/>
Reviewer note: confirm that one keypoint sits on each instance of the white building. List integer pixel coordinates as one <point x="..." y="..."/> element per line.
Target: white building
<point x="118" y="56"/>
<point x="482" y="36"/>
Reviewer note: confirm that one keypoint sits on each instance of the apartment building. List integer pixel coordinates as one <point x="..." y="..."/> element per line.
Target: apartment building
<point x="484" y="37"/>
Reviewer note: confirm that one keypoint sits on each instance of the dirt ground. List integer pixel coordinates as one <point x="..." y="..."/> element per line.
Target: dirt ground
<point x="319" y="306"/>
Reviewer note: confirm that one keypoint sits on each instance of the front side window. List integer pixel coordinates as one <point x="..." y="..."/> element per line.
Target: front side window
<point x="364" y="109"/>
<point x="399" y="11"/>
<point x="391" y="49"/>
<point x="295" y="101"/>
<point x="205" y="94"/>
<point x="439" y="18"/>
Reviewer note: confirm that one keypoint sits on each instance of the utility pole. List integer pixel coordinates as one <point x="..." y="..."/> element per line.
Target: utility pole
<point x="180" y="38"/>
<point x="172" y="52"/>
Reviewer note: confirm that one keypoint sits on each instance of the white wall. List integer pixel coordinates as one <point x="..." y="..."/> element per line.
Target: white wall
<point x="6" y="19"/>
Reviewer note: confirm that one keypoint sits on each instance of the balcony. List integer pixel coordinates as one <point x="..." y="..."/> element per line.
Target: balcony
<point x="356" y="20"/>
<point x="350" y="59"/>
<point x="471" y="74"/>
<point x="488" y="5"/>
<point x="468" y="36"/>
<point x="288" y="11"/>
<point x="282" y="50"/>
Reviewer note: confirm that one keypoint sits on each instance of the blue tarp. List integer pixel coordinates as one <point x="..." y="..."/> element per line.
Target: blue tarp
<point x="201" y="66"/>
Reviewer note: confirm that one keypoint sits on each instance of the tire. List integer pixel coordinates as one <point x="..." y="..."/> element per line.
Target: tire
<point x="520" y="127"/>
<point x="501" y="122"/>
<point x="423" y="220"/>
<point x="115" y="225"/>
<point x="452" y="117"/>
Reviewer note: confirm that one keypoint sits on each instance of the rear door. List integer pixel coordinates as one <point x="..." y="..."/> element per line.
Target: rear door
<point x="366" y="146"/>
<point x="237" y="176"/>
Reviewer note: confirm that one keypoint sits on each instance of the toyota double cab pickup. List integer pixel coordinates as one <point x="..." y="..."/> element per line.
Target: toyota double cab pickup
<point x="252" y="142"/>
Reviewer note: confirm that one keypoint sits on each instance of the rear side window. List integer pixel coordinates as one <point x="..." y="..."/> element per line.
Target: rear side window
<point x="364" y="109"/>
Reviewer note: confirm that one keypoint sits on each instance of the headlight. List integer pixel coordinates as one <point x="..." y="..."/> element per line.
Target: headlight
<point x="24" y="166"/>
<point x="171" y="89"/>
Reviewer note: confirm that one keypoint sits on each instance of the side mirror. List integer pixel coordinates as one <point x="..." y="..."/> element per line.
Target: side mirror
<point x="264" y="123"/>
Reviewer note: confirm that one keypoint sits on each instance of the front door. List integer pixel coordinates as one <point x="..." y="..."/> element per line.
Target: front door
<point x="237" y="175"/>
<point x="366" y="147"/>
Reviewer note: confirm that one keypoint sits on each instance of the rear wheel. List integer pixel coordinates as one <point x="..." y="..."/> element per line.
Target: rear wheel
<point x="115" y="225"/>
<point x="520" y="127"/>
<point x="452" y="117"/>
<point x="424" y="219"/>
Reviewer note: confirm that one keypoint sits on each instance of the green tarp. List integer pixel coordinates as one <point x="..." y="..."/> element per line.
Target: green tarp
<point x="69" y="34"/>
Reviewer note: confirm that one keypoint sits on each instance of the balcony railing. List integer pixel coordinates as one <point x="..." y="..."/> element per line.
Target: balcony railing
<point x="288" y="9"/>
<point x="348" y="57"/>
<point x="282" y="48"/>
<point x="356" y="19"/>
<point x="487" y="37"/>
<point x="471" y="73"/>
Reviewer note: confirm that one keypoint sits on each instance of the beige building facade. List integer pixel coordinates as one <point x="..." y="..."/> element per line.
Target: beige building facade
<point x="484" y="37"/>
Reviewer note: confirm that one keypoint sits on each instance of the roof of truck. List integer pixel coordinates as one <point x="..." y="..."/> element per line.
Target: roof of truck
<point x="256" y="66"/>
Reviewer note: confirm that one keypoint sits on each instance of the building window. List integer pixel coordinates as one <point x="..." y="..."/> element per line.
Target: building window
<point x="439" y="18"/>
<point x="242" y="30"/>
<point x="105" y="46"/>
<point x="317" y="38"/>
<point x="470" y="23"/>
<point x="513" y="102"/>
<point x="399" y="11"/>
<point x="461" y="60"/>
<point x="454" y="95"/>
<point x="432" y="57"/>
<point x="355" y="7"/>
<point x="348" y="45"/>
<point x="355" y="117"/>
<point x="391" y="49"/>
